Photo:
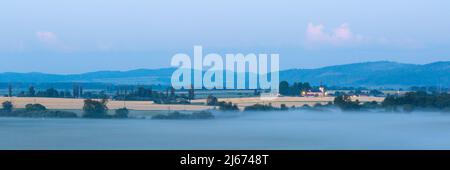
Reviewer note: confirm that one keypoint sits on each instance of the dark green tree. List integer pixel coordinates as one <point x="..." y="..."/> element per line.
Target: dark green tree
<point x="211" y="100"/>
<point x="7" y="106"/>
<point x="172" y="92"/>
<point x="122" y="113"/>
<point x="35" y="107"/>
<point x="191" y="93"/>
<point x="95" y="109"/>
<point x="345" y="103"/>
<point x="284" y="88"/>
<point x="51" y="92"/>
<point x="10" y="90"/>
<point x="31" y="91"/>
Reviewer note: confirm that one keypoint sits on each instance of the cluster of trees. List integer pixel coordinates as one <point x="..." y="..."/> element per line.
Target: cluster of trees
<point x="139" y="94"/>
<point x="95" y="109"/>
<point x="35" y="107"/>
<point x="178" y="115"/>
<point x="412" y="100"/>
<point x="316" y="107"/>
<point x="359" y="92"/>
<point x="51" y="92"/>
<point x="212" y="100"/>
<point x="32" y="110"/>
<point x="7" y="106"/>
<point x="345" y="103"/>
<point x="77" y="92"/>
<point x="147" y="94"/>
<point x="224" y="106"/>
<point x="229" y="106"/>
<point x="99" y="109"/>
<point x="91" y="109"/>
<point x="265" y="107"/>
<point x="406" y="103"/>
<point x="171" y="98"/>
<point x="294" y="89"/>
<point x="122" y="113"/>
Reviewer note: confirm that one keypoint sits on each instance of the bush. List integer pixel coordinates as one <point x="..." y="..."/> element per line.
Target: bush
<point x="95" y="109"/>
<point x="35" y="107"/>
<point x="122" y="113"/>
<point x="44" y="114"/>
<point x="260" y="107"/>
<point x="39" y="114"/>
<point x="346" y="104"/>
<point x="7" y="106"/>
<point x="178" y="115"/>
<point x="224" y="106"/>
<point x="283" y="107"/>
<point x="306" y="106"/>
<point x="34" y="111"/>
<point x="211" y="100"/>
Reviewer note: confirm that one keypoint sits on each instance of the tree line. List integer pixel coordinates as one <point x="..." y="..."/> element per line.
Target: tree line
<point x="140" y="93"/>
<point x="295" y="89"/>
<point x="408" y="102"/>
<point x="91" y="109"/>
<point x="161" y="97"/>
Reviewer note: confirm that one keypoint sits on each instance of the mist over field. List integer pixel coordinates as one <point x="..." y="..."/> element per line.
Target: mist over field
<point x="298" y="129"/>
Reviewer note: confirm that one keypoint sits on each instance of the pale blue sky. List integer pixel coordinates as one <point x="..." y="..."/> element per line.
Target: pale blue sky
<point x="89" y="35"/>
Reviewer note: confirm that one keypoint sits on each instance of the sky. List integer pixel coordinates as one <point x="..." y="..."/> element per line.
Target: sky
<point x="79" y="36"/>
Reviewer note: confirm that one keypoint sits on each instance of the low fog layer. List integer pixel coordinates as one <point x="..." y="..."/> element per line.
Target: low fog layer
<point x="258" y="130"/>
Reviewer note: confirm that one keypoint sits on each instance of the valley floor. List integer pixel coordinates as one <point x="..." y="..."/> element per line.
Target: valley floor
<point x="74" y="104"/>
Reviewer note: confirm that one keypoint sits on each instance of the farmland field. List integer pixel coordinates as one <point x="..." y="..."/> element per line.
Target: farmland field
<point x="68" y="103"/>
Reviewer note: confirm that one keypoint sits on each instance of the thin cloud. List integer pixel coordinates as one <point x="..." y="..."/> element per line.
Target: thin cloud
<point x="47" y="37"/>
<point x="316" y="34"/>
<point x="51" y="40"/>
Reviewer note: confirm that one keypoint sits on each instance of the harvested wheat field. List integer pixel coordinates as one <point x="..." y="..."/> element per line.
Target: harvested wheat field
<point x="289" y="101"/>
<point x="64" y="103"/>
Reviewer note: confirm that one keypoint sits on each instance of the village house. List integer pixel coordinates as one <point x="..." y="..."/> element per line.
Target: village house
<point x="321" y="92"/>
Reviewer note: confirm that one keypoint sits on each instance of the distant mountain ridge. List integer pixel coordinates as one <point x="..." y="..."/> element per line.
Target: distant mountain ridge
<point x="139" y="76"/>
<point x="380" y="74"/>
<point x="370" y="74"/>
